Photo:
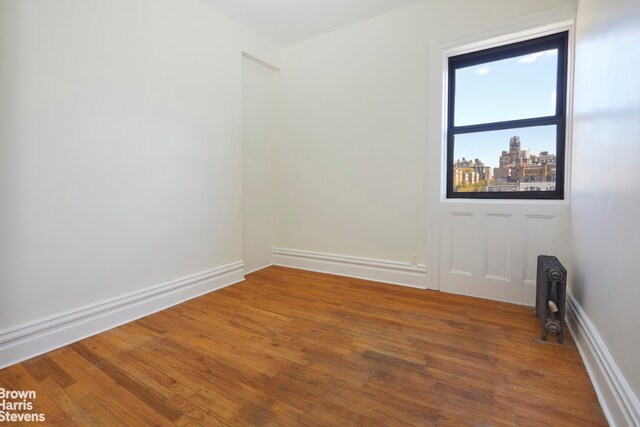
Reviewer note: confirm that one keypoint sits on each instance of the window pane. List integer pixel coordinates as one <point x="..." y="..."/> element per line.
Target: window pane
<point x="506" y="160"/>
<point x="509" y="89"/>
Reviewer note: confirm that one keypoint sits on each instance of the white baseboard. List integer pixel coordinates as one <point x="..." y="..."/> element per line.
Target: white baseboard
<point x="246" y="273"/>
<point x="393" y="272"/>
<point x="43" y="335"/>
<point x="618" y="401"/>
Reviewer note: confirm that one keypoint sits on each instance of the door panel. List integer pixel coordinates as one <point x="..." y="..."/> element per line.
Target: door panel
<point x="539" y="239"/>
<point x="490" y="250"/>
<point x="460" y="251"/>
<point x="497" y="251"/>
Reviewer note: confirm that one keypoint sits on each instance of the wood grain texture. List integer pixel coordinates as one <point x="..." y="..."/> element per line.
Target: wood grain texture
<point x="290" y="347"/>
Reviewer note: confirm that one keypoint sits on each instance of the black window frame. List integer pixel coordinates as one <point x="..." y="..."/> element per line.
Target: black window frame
<point x="558" y="41"/>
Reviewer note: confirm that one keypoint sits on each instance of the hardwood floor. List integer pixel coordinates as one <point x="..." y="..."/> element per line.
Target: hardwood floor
<point x="289" y="347"/>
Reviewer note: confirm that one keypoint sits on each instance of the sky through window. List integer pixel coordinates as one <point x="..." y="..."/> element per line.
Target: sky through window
<point x="508" y="89"/>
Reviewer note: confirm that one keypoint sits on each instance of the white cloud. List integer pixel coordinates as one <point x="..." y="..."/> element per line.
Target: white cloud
<point x="483" y="70"/>
<point x="528" y="59"/>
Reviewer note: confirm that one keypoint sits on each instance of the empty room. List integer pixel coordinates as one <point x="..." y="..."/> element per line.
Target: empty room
<point x="319" y="212"/>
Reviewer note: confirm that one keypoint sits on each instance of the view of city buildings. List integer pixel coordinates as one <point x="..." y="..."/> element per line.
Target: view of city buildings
<point x="518" y="170"/>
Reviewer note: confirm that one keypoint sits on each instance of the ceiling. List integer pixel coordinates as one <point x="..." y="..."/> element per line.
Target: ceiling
<point x="285" y="22"/>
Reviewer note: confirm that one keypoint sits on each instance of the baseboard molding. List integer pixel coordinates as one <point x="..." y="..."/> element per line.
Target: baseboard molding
<point x="393" y="272"/>
<point x="43" y="335"/>
<point x="618" y="401"/>
<point x="246" y="273"/>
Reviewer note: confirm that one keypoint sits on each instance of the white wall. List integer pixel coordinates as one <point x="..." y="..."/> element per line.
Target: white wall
<point x="351" y="172"/>
<point x="258" y="121"/>
<point x="605" y="200"/>
<point x="120" y="148"/>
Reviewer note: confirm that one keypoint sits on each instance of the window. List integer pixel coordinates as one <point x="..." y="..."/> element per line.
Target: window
<point x="506" y="121"/>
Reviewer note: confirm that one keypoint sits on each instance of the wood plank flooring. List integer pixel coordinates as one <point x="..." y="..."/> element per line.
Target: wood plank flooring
<point x="288" y="347"/>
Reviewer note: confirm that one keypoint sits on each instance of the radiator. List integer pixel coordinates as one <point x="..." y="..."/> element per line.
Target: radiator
<point x="551" y="294"/>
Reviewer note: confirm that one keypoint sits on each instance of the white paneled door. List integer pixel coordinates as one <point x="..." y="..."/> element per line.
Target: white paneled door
<point x="490" y="250"/>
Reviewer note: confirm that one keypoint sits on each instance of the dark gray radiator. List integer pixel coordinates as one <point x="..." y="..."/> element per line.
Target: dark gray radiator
<point x="551" y="295"/>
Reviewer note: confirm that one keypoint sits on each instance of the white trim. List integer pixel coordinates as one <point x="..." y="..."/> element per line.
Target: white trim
<point x="246" y="273"/>
<point x="618" y="401"/>
<point x="393" y="272"/>
<point x="474" y="43"/>
<point x="40" y="336"/>
<point x="552" y="20"/>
